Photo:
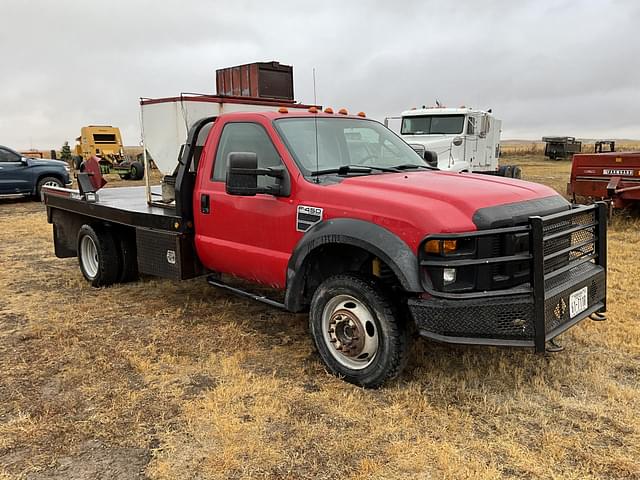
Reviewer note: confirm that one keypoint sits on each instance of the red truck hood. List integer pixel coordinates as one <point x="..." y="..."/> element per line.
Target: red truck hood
<point x="441" y="202"/>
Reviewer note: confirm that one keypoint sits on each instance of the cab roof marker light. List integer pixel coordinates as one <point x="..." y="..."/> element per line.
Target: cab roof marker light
<point x="361" y="114"/>
<point x="343" y="111"/>
<point x="283" y="110"/>
<point x="328" y="110"/>
<point x="313" y="110"/>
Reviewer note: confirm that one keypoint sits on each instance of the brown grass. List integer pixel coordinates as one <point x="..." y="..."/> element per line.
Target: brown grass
<point x="179" y="380"/>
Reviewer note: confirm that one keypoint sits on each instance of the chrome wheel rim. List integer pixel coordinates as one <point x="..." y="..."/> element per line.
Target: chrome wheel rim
<point x="51" y="183"/>
<point x="89" y="256"/>
<point x="350" y="332"/>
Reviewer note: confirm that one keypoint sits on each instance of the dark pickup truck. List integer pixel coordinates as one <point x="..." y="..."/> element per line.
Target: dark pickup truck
<point x="343" y="219"/>
<point x="26" y="176"/>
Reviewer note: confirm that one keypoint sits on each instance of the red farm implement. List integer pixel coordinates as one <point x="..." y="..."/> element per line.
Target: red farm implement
<point x="612" y="176"/>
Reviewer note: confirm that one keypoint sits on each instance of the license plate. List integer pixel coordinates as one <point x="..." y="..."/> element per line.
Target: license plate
<point x="578" y="302"/>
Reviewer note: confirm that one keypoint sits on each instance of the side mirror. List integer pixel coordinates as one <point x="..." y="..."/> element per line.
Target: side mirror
<point x="242" y="178"/>
<point x="457" y="141"/>
<point x="243" y="173"/>
<point x="431" y="158"/>
<point x="24" y="160"/>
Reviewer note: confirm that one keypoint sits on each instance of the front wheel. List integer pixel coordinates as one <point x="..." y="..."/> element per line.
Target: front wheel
<point x="357" y="331"/>
<point x="47" y="182"/>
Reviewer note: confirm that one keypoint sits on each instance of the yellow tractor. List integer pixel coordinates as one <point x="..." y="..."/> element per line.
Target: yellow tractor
<point x="105" y="143"/>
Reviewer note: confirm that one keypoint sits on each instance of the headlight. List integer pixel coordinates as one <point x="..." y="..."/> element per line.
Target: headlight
<point x="441" y="246"/>
<point x="66" y="167"/>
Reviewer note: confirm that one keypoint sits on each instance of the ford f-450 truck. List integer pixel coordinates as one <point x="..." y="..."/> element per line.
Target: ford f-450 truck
<point x="349" y="223"/>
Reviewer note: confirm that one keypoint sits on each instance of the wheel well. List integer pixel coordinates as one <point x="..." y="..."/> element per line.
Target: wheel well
<point x="332" y="259"/>
<point x="44" y="175"/>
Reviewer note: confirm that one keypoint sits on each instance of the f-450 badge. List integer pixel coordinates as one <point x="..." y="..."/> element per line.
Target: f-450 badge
<point x="307" y="217"/>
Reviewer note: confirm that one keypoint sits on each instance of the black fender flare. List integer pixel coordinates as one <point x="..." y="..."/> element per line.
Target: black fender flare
<point x="373" y="238"/>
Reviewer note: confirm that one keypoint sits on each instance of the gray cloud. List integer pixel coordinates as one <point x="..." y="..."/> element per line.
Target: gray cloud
<point x="545" y="67"/>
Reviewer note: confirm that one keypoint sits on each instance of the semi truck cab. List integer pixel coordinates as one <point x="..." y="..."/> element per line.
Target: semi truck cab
<point x="460" y="139"/>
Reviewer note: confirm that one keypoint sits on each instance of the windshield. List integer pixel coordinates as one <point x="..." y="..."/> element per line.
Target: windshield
<point x="433" y="125"/>
<point x="344" y="142"/>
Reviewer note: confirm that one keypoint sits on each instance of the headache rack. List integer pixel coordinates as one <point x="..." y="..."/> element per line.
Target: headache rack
<point x="524" y="279"/>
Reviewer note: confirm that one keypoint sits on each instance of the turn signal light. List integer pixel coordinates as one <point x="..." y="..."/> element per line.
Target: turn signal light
<point x="343" y="111"/>
<point x="441" y="246"/>
<point x="283" y="110"/>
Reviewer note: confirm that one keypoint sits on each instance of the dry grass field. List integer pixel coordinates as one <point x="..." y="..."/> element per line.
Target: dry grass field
<point x="164" y="380"/>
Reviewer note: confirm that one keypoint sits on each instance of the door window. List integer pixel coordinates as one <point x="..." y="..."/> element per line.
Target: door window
<point x="8" y="156"/>
<point x="246" y="137"/>
<point x="471" y="126"/>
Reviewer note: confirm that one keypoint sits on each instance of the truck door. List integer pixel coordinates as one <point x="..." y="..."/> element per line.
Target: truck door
<point x="251" y="237"/>
<point x="15" y="176"/>
<point x="484" y="156"/>
<point x="471" y="141"/>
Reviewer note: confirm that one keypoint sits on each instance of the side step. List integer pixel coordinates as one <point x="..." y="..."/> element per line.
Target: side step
<point x="212" y="280"/>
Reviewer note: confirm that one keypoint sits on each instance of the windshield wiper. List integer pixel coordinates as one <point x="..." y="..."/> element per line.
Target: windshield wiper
<point x="381" y="169"/>
<point x="342" y="170"/>
<point x="409" y="166"/>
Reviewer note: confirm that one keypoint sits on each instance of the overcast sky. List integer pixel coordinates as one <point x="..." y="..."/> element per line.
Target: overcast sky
<point x="545" y="67"/>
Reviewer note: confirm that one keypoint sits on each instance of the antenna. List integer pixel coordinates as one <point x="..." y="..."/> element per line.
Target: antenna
<point x="315" y="121"/>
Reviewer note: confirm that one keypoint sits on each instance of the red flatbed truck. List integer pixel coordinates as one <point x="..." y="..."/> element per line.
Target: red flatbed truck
<point x="350" y="224"/>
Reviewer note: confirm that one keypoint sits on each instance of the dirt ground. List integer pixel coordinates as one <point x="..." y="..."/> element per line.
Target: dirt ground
<point x="163" y="380"/>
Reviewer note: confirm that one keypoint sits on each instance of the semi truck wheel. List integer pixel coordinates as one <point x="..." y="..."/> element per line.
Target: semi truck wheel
<point x="98" y="255"/>
<point x="516" y="172"/>
<point x="357" y="331"/>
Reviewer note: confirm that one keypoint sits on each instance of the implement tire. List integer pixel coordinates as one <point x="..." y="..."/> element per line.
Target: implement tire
<point x="137" y="171"/>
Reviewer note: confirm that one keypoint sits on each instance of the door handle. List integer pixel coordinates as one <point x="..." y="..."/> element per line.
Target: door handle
<point x="204" y="203"/>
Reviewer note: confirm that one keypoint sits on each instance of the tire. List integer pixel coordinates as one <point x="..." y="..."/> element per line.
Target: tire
<point x="98" y="255"/>
<point x="77" y="161"/>
<point x="137" y="171"/>
<point x="345" y="306"/>
<point x="501" y="171"/>
<point x="48" y="181"/>
<point x="516" y="172"/>
<point x="128" y="271"/>
<point x="508" y="171"/>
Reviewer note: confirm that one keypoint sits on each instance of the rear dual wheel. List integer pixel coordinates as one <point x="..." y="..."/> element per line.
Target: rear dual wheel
<point x="105" y="259"/>
<point x="357" y="330"/>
